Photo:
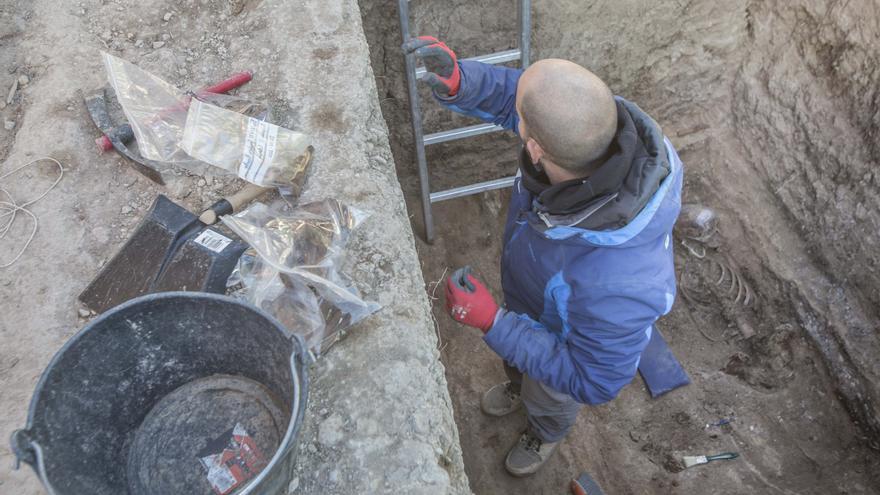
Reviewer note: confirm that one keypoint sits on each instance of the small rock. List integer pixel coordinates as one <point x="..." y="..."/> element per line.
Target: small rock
<point x="106" y="35"/>
<point x="861" y="212"/>
<point x="330" y="432"/>
<point x="167" y="16"/>
<point x="126" y="210"/>
<point x="166" y="36"/>
<point x="202" y="182"/>
<point x="9" y="125"/>
<point x="294" y="484"/>
<point x="83" y="313"/>
<point x="23" y="80"/>
<point x="746" y="329"/>
<point x="158" y="44"/>
<point x="12" y="91"/>
<point x="139" y="43"/>
<point x="312" y="448"/>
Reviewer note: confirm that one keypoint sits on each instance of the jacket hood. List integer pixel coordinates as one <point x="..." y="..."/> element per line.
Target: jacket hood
<point x="614" y="204"/>
<point x="629" y="174"/>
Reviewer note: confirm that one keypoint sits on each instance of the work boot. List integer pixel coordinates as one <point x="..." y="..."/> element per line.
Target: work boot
<point x="529" y="454"/>
<point x="501" y="400"/>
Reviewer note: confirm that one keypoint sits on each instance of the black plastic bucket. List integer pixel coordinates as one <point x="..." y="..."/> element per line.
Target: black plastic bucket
<point x="136" y="399"/>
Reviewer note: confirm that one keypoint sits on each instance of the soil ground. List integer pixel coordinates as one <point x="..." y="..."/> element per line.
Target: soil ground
<point x="742" y="91"/>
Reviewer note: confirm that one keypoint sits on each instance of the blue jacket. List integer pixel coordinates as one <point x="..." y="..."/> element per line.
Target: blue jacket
<point x="580" y="304"/>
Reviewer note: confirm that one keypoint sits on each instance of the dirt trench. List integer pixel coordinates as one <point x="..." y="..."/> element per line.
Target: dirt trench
<point x="774" y="108"/>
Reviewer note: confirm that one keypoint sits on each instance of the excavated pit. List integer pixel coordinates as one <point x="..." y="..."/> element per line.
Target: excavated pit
<point x="774" y="107"/>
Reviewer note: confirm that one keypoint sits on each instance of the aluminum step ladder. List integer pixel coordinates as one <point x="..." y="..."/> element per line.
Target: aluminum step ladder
<point x="413" y="73"/>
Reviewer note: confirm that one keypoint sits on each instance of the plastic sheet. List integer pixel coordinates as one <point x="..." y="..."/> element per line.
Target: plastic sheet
<point x="294" y="270"/>
<point x="228" y="132"/>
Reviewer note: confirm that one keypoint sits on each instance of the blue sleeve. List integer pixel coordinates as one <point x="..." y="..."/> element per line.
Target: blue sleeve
<point x="487" y="92"/>
<point x="596" y="352"/>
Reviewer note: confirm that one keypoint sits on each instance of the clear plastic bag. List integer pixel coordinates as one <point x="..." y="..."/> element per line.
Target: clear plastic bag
<point x="296" y="305"/>
<point x="294" y="271"/>
<point x="261" y="153"/>
<point x="191" y="130"/>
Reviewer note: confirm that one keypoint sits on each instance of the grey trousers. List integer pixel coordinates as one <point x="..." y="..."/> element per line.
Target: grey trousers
<point x="550" y="414"/>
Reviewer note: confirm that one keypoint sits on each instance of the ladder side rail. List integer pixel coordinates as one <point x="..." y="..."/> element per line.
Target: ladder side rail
<point x="416" y="117"/>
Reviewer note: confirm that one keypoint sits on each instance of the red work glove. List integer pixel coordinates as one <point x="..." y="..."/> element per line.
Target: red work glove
<point x="469" y="301"/>
<point x="443" y="74"/>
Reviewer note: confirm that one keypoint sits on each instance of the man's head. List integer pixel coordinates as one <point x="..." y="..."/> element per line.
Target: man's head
<point x="568" y="117"/>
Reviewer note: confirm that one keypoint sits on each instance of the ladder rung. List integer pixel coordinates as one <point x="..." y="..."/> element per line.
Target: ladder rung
<point x="460" y="133"/>
<point x="472" y="189"/>
<point x="492" y="58"/>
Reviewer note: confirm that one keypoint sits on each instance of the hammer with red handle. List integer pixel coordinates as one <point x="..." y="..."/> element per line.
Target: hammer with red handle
<point x="125" y="134"/>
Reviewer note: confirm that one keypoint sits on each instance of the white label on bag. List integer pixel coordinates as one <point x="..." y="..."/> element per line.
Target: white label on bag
<point x="212" y="240"/>
<point x="259" y="150"/>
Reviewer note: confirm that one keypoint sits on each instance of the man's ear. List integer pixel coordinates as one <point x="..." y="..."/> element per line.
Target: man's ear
<point x="535" y="150"/>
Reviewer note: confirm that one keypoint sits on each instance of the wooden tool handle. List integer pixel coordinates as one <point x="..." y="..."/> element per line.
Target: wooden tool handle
<point x="232" y="204"/>
<point x="247" y="194"/>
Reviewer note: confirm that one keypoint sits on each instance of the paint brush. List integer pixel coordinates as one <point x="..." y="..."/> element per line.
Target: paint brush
<point x="696" y="460"/>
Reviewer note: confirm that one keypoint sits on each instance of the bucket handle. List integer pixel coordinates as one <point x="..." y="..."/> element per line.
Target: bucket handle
<point x="22" y="448"/>
<point x="29" y="451"/>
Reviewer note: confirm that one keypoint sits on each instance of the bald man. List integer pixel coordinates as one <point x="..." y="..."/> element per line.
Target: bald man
<point x="587" y="265"/>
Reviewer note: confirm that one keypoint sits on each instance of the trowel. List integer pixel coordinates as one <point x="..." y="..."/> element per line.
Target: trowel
<point x="171" y="250"/>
